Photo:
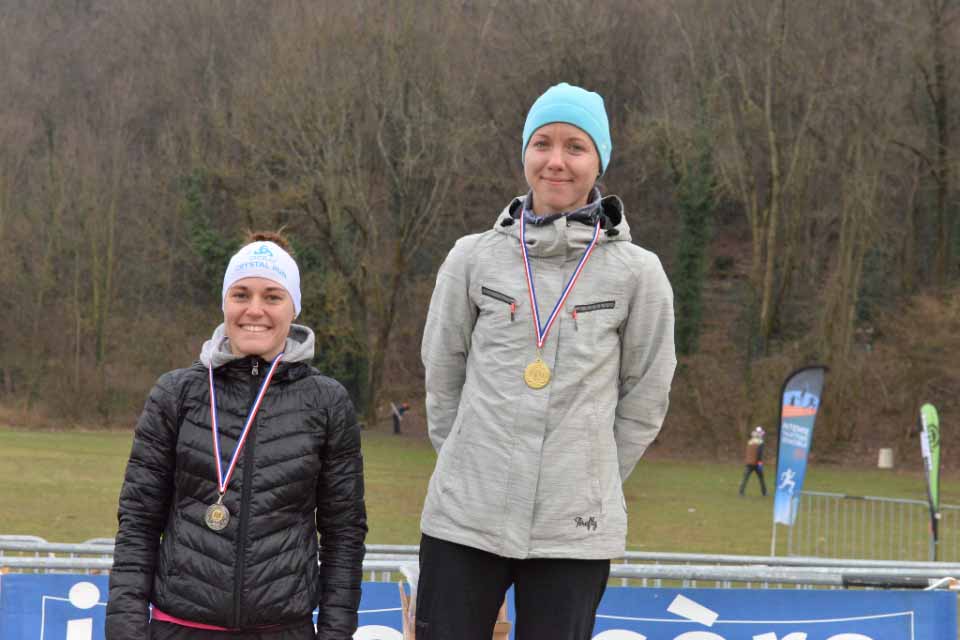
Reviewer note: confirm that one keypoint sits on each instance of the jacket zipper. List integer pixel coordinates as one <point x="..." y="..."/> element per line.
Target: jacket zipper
<point x="596" y="306"/>
<point x="586" y="308"/>
<point x="502" y="297"/>
<point x="245" y="497"/>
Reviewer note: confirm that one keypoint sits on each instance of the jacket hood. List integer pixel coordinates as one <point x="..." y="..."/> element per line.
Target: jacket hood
<point x="559" y="237"/>
<point x="299" y="347"/>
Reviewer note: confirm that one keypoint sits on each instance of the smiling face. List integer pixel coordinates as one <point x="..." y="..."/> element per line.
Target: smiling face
<point x="561" y="166"/>
<point x="257" y="314"/>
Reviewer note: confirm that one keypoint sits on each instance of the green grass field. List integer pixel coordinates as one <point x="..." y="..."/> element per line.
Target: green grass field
<point x="63" y="486"/>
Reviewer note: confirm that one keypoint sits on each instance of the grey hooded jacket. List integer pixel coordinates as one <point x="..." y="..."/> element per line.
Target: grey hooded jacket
<point x="525" y="473"/>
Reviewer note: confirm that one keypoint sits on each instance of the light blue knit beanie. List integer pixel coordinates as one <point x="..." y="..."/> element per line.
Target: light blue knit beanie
<point x="573" y="105"/>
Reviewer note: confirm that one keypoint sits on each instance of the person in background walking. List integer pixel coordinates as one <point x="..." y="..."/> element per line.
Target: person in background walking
<point x="397" y="410"/>
<point x="237" y="464"/>
<point x="753" y="459"/>
<point x="549" y="354"/>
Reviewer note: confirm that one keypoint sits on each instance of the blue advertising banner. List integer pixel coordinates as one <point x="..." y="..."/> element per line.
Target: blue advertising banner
<point x="71" y="607"/>
<point x="740" y="614"/>
<point x="800" y="401"/>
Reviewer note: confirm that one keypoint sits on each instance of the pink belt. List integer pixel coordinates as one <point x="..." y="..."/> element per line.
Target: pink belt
<point x="166" y="617"/>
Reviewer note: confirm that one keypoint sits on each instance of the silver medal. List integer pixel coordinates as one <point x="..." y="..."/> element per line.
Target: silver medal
<point x="217" y="516"/>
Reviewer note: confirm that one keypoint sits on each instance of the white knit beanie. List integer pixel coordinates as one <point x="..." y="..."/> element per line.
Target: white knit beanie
<point x="264" y="259"/>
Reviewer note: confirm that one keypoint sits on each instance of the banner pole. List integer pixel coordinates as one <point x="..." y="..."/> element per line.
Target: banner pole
<point x="773" y="541"/>
<point x="933" y="539"/>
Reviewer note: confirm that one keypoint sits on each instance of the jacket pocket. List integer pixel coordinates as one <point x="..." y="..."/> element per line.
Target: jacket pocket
<point x="510" y="301"/>
<point x="580" y="309"/>
<point x="501" y="336"/>
<point x="312" y="574"/>
<point x="454" y="446"/>
<point x="169" y="542"/>
<point x="594" y="470"/>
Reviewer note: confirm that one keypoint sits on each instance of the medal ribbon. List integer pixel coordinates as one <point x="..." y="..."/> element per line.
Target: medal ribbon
<point x="223" y="481"/>
<point x="543" y="330"/>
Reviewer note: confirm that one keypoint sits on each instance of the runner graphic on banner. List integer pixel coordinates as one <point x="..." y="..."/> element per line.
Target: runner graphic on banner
<point x="800" y="401"/>
<point x="930" y="449"/>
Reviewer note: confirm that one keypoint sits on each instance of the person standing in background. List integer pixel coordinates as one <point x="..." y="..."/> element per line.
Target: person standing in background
<point x="753" y="460"/>
<point x="397" y="411"/>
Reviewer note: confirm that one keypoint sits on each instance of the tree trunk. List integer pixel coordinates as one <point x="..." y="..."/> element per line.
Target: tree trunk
<point x="908" y="262"/>
<point x="381" y="345"/>
<point x="772" y="211"/>
<point x="943" y="259"/>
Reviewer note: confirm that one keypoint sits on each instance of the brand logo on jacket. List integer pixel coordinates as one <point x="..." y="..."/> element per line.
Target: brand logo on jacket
<point x="590" y="523"/>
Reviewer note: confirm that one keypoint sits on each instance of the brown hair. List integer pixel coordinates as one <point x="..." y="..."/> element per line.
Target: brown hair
<point x="275" y="237"/>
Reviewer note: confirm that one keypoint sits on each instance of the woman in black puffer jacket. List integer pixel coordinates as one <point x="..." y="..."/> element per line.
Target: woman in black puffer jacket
<point x="237" y="464"/>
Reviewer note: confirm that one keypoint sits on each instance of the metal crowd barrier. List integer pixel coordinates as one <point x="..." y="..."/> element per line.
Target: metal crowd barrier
<point x="687" y="574"/>
<point x="385" y="562"/>
<point x="844" y="526"/>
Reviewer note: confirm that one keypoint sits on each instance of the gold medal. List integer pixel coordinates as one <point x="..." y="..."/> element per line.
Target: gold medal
<point x="217" y="516"/>
<point x="537" y="374"/>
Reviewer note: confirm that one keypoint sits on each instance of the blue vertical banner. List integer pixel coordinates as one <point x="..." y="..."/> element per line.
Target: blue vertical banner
<point x="799" y="404"/>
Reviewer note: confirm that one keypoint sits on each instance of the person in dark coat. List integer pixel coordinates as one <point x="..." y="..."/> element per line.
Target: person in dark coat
<point x="245" y="471"/>
<point x="753" y="460"/>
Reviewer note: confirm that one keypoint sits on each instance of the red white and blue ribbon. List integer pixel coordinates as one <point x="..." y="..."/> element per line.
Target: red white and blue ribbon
<point x="224" y="480"/>
<point x="544" y="329"/>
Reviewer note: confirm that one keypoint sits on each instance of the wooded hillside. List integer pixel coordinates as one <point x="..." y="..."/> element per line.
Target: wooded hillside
<point x="794" y="164"/>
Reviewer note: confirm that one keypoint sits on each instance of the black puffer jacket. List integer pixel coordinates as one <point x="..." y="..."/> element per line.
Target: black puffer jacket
<point x="300" y="472"/>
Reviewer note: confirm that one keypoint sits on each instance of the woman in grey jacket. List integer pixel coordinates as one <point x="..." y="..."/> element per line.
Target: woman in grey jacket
<point x="549" y="354"/>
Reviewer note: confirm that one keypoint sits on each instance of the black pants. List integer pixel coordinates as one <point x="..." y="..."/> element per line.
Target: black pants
<point x="753" y="468"/>
<point x="461" y="588"/>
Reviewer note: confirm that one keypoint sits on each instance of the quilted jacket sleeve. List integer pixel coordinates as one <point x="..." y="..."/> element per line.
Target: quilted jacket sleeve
<point x="647" y="362"/>
<point x="341" y="522"/>
<point x="144" y="503"/>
